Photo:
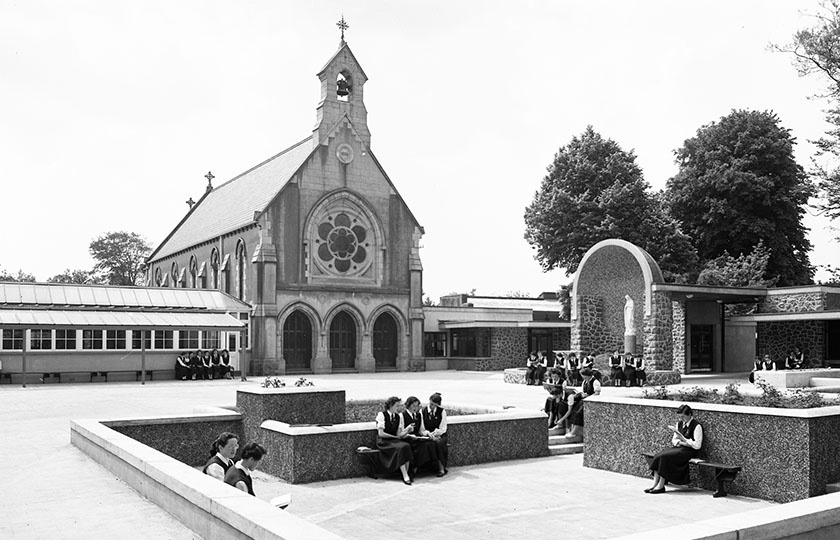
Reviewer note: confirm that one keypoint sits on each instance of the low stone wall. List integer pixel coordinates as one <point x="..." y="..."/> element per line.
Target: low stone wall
<point x="796" y="378"/>
<point x="316" y="454"/>
<point x="185" y="438"/>
<point x="654" y="378"/>
<point x="786" y="454"/>
<point x="207" y="506"/>
<point x="812" y="519"/>
<point x="365" y="410"/>
<point x="293" y="405"/>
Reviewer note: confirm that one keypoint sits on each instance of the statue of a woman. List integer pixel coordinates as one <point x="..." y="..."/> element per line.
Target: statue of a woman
<point x="629" y="325"/>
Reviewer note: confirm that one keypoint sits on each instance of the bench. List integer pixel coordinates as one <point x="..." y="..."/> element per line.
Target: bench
<point x="723" y="473"/>
<point x="368" y="457"/>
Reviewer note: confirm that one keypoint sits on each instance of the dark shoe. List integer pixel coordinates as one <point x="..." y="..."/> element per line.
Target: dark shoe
<point x="441" y="474"/>
<point x="408" y="482"/>
<point x="648" y="490"/>
<point x="660" y="490"/>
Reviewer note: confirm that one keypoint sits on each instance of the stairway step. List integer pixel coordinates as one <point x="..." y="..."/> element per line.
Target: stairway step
<point x="833" y="488"/>
<point x="564" y="449"/>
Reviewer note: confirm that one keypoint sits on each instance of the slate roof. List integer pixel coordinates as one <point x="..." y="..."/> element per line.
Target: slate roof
<point x="232" y="204"/>
<point x="533" y="304"/>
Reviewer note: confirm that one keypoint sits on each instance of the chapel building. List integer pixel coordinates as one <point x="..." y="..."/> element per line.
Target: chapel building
<point x="319" y="243"/>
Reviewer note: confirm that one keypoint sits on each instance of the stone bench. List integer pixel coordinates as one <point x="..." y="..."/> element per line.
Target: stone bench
<point x="723" y="473"/>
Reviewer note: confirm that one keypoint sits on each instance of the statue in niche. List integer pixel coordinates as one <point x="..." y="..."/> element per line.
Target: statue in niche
<point x="629" y="316"/>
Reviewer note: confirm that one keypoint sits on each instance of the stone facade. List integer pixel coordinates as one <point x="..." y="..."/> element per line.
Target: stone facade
<point x="658" y="344"/>
<point x="333" y="239"/>
<point x="678" y="336"/>
<point x="561" y="339"/>
<point x="506" y="346"/>
<point x="777" y="338"/>
<point x="792" y="303"/>
<point x="590" y="333"/>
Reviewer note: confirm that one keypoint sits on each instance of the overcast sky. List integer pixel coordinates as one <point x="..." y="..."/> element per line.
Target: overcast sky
<point x="112" y="112"/>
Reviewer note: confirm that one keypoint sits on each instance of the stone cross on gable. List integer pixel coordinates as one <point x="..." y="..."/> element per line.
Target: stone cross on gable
<point x="209" y="176"/>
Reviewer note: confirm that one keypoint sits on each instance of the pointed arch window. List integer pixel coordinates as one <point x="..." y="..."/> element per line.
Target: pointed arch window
<point x="240" y="270"/>
<point x="174" y="275"/>
<point x="214" y="269"/>
<point x="158" y="277"/>
<point x="193" y="272"/>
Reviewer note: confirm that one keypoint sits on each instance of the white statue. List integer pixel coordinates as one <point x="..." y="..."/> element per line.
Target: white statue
<point x="629" y="325"/>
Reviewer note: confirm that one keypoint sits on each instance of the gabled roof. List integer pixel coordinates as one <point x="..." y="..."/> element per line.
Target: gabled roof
<point x="232" y="204"/>
<point x="343" y="45"/>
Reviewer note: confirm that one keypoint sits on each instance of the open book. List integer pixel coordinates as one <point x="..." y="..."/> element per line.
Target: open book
<point x="282" y="501"/>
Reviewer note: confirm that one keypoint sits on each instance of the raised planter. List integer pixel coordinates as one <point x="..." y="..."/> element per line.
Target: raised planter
<point x="796" y="378"/>
<point x="786" y="454"/>
<point x="319" y="453"/>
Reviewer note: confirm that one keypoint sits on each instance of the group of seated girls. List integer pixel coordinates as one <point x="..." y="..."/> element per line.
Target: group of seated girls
<point x="221" y="464"/>
<point x="565" y="405"/>
<point x="627" y="369"/>
<point x="200" y="364"/>
<point x="410" y="437"/>
<point x="795" y="359"/>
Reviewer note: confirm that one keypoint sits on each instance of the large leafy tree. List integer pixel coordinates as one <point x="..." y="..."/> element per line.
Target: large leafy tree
<point x="594" y="190"/>
<point x="19" y="276"/>
<point x="80" y="277"/>
<point x="739" y="184"/>
<point x="120" y="257"/>
<point x="741" y="271"/>
<point x="816" y="51"/>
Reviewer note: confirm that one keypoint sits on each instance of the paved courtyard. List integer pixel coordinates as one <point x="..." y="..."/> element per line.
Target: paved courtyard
<point x="52" y="490"/>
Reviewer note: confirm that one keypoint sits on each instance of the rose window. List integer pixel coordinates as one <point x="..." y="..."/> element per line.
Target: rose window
<point x="341" y="243"/>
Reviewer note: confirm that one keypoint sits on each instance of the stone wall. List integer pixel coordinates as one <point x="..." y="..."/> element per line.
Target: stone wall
<point x="508" y="346"/>
<point x="560" y="339"/>
<point x="591" y="334"/>
<point x="658" y="338"/>
<point x="761" y="440"/>
<point x="792" y="303"/>
<point x="678" y="335"/>
<point x="777" y="338"/>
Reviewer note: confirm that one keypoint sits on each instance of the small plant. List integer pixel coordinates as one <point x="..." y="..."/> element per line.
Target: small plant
<point x="770" y="395"/>
<point x="660" y="392"/>
<point x="303" y="382"/>
<point x="273" y="382"/>
<point x="732" y="395"/>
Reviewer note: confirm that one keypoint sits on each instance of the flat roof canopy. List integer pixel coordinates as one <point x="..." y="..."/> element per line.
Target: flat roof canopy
<point x="138" y="320"/>
<point x="800" y="316"/>
<point x="699" y="293"/>
<point x="450" y="325"/>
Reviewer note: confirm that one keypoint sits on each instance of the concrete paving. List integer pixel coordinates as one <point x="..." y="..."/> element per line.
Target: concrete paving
<point x="52" y="490"/>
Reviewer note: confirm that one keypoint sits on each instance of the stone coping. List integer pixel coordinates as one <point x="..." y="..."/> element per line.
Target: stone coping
<point x="203" y="416"/>
<point x="483" y="414"/>
<point x="782" y="521"/>
<point x="287" y="389"/>
<point x="795" y="378"/>
<point x="817" y="412"/>
<point x="211" y="508"/>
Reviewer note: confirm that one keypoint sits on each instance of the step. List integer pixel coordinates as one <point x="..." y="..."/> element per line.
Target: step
<point x="565" y="449"/>
<point x="824" y="381"/>
<point x="833" y="488"/>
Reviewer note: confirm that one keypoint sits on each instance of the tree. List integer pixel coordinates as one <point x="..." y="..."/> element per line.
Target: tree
<point x="20" y="276"/>
<point x="739" y="184"/>
<point x="742" y="271"/>
<point x="594" y="190"/>
<point x="121" y="257"/>
<point x="816" y="51"/>
<point x="80" y="277"/>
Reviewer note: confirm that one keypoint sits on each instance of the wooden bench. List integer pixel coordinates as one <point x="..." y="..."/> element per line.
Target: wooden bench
<point x="368" y="457"/>
<point x="723" y="472"/>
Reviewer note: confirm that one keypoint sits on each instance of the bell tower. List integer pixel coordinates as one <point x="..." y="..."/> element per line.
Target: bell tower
<point x="342" y="92"/>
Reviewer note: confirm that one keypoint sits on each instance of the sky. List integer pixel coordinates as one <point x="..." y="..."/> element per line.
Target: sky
<point x="112" y="112"/>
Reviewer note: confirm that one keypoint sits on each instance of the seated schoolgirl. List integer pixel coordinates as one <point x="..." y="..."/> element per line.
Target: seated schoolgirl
<point x="573" y="370"/>
<point x="616" y="364"/>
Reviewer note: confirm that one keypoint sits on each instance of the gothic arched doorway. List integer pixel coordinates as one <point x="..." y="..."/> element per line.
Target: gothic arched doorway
<point x="297" y="342"/>
<point x="385" y="344"/>
<point x="343" y="341"/>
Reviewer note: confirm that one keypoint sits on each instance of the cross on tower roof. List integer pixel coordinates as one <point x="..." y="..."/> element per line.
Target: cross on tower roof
<point x="342" y="24"/>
